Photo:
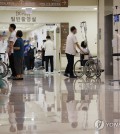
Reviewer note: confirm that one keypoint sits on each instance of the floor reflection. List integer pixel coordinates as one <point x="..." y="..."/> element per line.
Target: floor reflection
<point x="55" y="104"/>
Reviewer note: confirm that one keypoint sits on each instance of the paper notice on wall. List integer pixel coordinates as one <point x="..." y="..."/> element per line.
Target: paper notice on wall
<point x="116" y="40"/>
<point x="28" y="10"/>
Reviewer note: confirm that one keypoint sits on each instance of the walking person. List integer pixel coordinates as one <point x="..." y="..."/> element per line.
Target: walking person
<point x="18" y="56"/>
<point x="71" y="52"/>
<point x="31" y="58"/>
<point x="43" y="55"/>
<point x="49" y="53"/>
<point x="11" y="42"/>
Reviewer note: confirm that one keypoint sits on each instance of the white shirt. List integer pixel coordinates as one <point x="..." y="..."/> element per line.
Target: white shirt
<point x="84" y="51"/>
<point x="49" y="48"/>
<point x="38" y="56"/>
<point x="70" y="44"/>
<point x="12" y="38"/>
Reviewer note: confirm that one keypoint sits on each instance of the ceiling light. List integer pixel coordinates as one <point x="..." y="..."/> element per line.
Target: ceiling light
<point x="24" y="8"/>
<point x="95" y="8"/>
<point x="33" y="8"/>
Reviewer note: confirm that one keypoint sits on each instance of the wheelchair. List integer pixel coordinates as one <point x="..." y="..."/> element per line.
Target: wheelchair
<point x="91" y="68"/>
<point x="4" y="69"/>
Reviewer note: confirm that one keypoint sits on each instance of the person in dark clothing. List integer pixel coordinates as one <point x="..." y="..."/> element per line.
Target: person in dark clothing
<point x="11" y="42"/>
<point x="26" y="57"/>
<point x="31" y="58"/>
<point x="43" y="54"/>
<point x="18" y="56"/>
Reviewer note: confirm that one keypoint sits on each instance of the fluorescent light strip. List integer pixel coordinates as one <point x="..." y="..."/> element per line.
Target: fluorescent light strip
<point x="24" y="8"/>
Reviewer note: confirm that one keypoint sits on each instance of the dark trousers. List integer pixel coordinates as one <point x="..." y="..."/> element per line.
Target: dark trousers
<point x="11" y="61"/>
<point x="29" y="62"/>
<point x="83" y="62"/>
<point x="32" y="63"/>
<point x="43" y="57"/>
<point x="49" y="58"/>
<point x="69" y="68"/>
<point x="18" y="63"/>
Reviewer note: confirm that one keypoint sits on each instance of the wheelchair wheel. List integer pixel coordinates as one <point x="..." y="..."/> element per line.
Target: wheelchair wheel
<point x="78" y="69"/>
<point x="2" y="70"/>
<point x="90" y="69"/>
<point x="98" y="72"/>
<point x="6" y="69"/>
<point x="4" y="87"/>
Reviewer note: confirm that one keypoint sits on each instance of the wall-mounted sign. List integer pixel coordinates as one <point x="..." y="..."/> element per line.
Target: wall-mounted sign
<point x="64" y="34"/>
<point x="117" y="18"/>
<point x="21" y="16"/>
<point x="35" y="3"/>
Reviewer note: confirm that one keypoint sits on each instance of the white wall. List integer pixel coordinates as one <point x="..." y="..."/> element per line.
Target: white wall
<point x="74" y="18"/>
<point x="41" y="33"/>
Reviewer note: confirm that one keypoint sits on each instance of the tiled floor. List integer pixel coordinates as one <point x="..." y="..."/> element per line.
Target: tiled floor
<point x="57" y="105"/>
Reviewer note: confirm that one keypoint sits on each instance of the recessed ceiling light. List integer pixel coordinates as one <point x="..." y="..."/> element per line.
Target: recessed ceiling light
<point x="95" y="8"/>
<point x="33" y="8"/>
<point x="24" y="8"/>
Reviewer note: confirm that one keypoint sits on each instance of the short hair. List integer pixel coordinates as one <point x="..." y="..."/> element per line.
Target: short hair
<point x="84" y="44"/>
<point x="39" y="51"/>
<point x="19" y="33"/>
<point x="48" y="37"/>
<point x="44" y="41"/>
<point x="73" y="28"/>
<point x="13" y="26"/>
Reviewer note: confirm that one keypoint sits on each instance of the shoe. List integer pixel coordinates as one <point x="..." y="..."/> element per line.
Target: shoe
<point x="66" y="75"/>
<point x="75" y="77"/>
<point x="17" y="78"/>
<point x="46" y="72"/>
<point x="102" y="70"/>
<point x="52" y="73"/>
<point x="11" y="77"/>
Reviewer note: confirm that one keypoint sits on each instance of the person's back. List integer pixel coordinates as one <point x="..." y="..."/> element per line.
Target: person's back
<point x="49" y="48"/>
<point x="49" y="53"/>
<point x="26" y="49"/>
<point x="31" y="53"/>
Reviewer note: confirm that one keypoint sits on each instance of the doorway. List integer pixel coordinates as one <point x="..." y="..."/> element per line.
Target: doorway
<point x="35" y="33"/>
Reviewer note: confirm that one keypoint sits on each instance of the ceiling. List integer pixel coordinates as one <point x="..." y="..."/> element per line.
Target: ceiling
<point x="70" y="8"/>
<point x="74" y="5"/>
<point x="83" y="2"/>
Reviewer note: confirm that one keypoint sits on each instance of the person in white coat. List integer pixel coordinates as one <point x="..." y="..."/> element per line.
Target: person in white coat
<point x="49" y="53"/>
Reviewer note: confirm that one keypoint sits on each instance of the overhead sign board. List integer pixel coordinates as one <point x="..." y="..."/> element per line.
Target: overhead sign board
<point x="35" y="3"/>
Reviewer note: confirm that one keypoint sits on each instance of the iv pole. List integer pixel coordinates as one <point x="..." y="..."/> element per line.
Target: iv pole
<point x="83" y="26"/>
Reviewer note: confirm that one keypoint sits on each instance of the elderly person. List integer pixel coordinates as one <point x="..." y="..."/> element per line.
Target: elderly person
<point x="38" y="59"/>
<point x="18" y="56"/>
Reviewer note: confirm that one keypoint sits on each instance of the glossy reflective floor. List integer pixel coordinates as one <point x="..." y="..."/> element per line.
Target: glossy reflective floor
<point x="46" y="104"/>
